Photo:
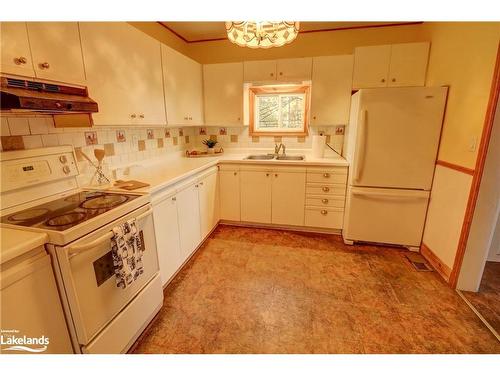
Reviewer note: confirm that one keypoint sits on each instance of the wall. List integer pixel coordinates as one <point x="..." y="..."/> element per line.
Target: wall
<point x="339" y="42"/>
<point x="463" y="57"/>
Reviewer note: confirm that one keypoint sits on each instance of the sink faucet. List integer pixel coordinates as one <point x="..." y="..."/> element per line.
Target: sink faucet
<point x="277" y="149"/>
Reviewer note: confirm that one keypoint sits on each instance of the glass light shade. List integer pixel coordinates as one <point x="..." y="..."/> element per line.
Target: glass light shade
<point x="265" y="34"/>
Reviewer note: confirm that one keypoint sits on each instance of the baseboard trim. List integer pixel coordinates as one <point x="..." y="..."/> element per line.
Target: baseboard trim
<point x="435" y="262"/>
<point x="281" y="227"/>
<point x="456" y="167"/>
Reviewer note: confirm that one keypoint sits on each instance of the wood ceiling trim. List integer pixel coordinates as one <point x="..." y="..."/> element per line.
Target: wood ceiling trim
<point x="392" y="24"/>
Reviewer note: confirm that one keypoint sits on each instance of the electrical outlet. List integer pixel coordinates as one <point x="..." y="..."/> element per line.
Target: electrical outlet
<point x="339" y="130"/>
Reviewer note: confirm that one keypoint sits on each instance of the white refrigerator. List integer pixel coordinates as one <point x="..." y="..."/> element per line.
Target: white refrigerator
<point x="391" y="144"/>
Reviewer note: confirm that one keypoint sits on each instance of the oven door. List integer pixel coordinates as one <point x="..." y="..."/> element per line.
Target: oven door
<point x="89" y="280"/>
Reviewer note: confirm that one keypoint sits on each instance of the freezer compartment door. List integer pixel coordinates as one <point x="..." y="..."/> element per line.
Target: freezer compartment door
<point x="396" y="137"/>
<point x="390" y="216"/>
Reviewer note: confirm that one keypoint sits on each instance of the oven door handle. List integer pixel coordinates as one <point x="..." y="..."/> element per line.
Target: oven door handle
<point x="105" y="237"/>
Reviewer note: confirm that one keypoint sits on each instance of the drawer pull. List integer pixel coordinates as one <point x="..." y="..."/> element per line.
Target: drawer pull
<point x="267" y="174"/>
<point x="325" y="201"/>
<point x="324" y="212"/>
<point x="326" y="175"/>
<point x="326" y="189"/>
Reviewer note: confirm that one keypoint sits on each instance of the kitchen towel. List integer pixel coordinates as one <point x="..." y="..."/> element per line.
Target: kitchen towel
<point x="127" y="249"/>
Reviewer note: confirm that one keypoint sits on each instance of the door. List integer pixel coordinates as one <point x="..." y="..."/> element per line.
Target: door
<point x="256" y="188"/>
<point x="229" y="192"/>
<point x="331" y="89"/>
<point x="167" y="237"/>
<point x="371" y="66"/>
<point x="57" y="52"/>
<point x="188" y="211"/>
<point x="397" y="138"/>
<point x="408" y="64"/>
<point x="15" y="49"/>
<point x="124" y="74"/>
<point x="209" y="203"/>
<point x="294" y="69"/>
<point x="288" y="197"/>
<point x="263" y="70"/>
<point x="389" y="216"/>
<point x="223" y="94"/>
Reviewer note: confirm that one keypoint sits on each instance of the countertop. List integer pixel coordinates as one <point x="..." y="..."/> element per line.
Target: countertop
<point x="162" y="172"/>
<point x="17" y="242"/>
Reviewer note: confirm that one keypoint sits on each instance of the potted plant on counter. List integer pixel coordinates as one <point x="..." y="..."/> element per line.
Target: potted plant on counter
<point x="210" y="143"/>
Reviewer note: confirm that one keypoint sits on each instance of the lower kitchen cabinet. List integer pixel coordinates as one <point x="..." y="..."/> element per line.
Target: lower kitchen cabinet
<point x="256" y="187"/>
<point x="288" y="196"/>
<point x="208" y="193"/>
<point x="188" y="212"/>
<point x="229" y="192"/>
<point x="167" y="236"/>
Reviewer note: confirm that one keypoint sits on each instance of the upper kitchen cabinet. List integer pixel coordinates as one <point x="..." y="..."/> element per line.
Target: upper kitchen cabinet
<point x="331" y="89"/>
<point x="15" y="49"/>
<point x="408" y="64"/>
<point x="294" y="69"/>
<point x="263" y="70"/>
<point x="124" y="74"/>
<point x="56" y="51"/>
<point x="183" y="85"/>
<point x="394" y="65"/>
<point x="223" y="94"/>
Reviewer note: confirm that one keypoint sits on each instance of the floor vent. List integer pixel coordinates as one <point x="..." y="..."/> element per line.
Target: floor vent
<point x="418" y="262"/>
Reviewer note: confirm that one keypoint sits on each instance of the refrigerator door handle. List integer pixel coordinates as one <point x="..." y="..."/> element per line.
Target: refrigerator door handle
<point x="381" y="194"/>
<point x="360" y="155"/>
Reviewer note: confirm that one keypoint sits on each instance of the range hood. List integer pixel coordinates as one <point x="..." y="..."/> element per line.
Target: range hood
<point x="20" y="95"/>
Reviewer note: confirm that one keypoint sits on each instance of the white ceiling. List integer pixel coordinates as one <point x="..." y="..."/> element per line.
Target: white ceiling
<point x="198" y="31"/>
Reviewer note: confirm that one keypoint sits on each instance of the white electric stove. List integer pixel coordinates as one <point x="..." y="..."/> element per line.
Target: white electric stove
<point x="39" y="192"/>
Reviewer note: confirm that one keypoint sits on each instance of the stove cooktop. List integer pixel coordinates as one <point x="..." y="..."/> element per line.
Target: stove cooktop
<point x="62" y="214"/>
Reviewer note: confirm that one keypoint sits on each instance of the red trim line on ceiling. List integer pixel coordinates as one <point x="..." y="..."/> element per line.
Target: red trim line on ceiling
<point x="300" y="32"/>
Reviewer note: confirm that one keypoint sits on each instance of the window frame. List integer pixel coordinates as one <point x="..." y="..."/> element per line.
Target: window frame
<point x="278" y="89"/>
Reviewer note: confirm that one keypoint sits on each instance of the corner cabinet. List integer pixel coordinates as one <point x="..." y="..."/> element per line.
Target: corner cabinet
<point x="223" y="94"/>
<point x="396" y="65"/>
<point x="183" y="86"/>
<point x="331" y="90"/>
<point x="124" y="74"/>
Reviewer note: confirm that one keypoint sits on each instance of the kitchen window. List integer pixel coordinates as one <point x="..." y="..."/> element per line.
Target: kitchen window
<point x="279" y="110"/>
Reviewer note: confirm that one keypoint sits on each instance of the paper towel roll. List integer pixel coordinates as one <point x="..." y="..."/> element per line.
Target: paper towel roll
<point x="318" y="146"/>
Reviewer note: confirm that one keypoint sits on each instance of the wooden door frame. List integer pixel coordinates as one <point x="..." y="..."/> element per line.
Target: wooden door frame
<point x="478" y="172"/>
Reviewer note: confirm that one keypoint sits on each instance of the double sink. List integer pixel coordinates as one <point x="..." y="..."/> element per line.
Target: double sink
<point x="274" y="156"/>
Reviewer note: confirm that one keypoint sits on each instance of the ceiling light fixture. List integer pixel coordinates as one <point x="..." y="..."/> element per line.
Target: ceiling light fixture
<point x="265" y="34"/>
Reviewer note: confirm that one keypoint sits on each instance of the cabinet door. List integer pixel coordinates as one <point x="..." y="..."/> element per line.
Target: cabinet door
<point x="229" y="193"/>
<point x="57" y="52"/>
<point x="209" y="203"/>
<point x="223" y="94"/>
<point x="371" y="66"/>
<point x="183" y="88"/>
<point x="294" y="69"/>
<point x="263" y="70"/>
<point x="331" y="90"/>
<point x="288" y="197"/>
<point x="188" y="211"/>
<point x="408" y="64"/>
<point x="256" y="196"/>
<point x="15" y="49"/>
<point x="167" y="237"/>
<point x="124" y="76"/>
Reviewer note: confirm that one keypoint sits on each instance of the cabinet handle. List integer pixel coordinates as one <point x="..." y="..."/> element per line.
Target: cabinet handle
<point x="239" y="118"/>
<point x="324" y="212"/>
<point x="44" y="65"/>
<point x="326" y="175"/>
<point x="201" y="183"/>
<point x="275" y="175"/>
<point x="235" y="173"/>
<point x="326" y="189"/>
<point x="314" y="117"/>
<point x="267" y="174"/>
<point x="394" y="80"/>
<point x="141" y="115"/>
<point x="174" y="199"/>
<point x="272" y="74"/>
<point x="185" y="118"/>
<point x="20" y="60"/>
<point x="281" y="73"/>
<point x="325" y="201"/>
<point x="190" y="118"/>
<point x="382" y="80"/>
<point x="133" y="115"/>
<point x="196" y="185"/>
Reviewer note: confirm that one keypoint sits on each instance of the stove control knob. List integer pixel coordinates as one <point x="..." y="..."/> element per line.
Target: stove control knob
<point x="63" y="159"/>
<point x="66" y="169"/>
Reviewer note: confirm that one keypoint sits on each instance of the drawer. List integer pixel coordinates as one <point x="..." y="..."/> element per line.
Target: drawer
<point x="327" y="177"/>
<point x="325" y="189"/>
<point x="324" y="201"/>
<point x="318" y="217"/>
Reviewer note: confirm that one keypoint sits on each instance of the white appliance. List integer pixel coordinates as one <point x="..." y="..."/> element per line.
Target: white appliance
<point x="392" y="143"/>
<point x="102" y="318"/>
